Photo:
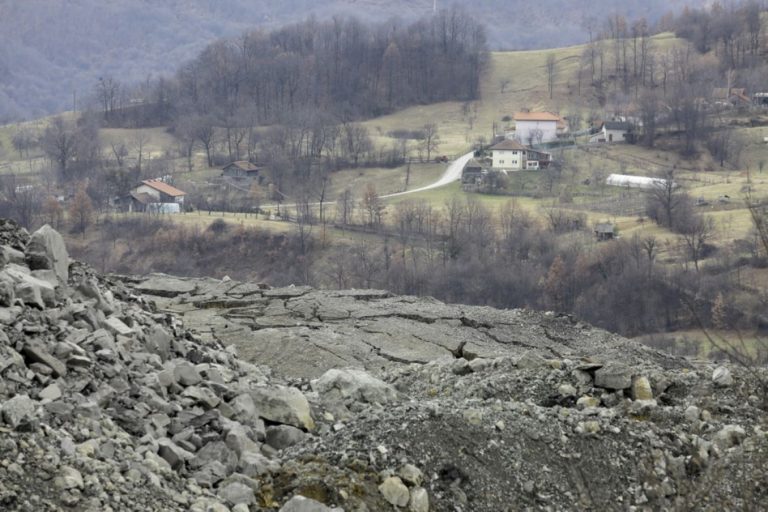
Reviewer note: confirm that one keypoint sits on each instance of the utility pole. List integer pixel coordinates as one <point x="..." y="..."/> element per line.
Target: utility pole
<point x="434" y="6"/>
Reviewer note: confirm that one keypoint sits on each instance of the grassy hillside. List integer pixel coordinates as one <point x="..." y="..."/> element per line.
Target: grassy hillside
<point x="525" y="76"/>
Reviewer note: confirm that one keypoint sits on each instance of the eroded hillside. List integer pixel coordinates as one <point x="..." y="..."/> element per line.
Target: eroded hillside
<point x="161" y="393"/>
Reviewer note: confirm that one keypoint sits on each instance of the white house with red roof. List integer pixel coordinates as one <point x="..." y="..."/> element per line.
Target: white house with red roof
<point x="538" y="127"/>
<point x="156" y="196"/>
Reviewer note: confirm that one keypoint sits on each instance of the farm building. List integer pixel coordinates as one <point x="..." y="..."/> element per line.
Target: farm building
<point x="241" y="169"/>
<point x="156" y="196"/>
<point x="641" y="182"/>
<point x="605" y="231"/>
<point x="471" y="172"/>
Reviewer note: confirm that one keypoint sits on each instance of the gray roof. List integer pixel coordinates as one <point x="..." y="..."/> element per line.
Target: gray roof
<point x="617" y="125"/>
<point x="604" y="227"/>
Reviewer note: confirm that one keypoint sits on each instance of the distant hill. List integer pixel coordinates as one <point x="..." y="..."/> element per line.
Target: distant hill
<point x="50" y="49"/>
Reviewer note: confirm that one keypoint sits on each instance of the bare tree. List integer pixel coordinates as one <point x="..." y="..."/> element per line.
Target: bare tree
<point x="81" y="210"/>
<point x="60" y="143"/>
<point x="139" y="141"/>
<point x="345" y="206"/>
<point x="551" y="66"/>
<point x="695" y="237"/>
<point x="431" y="139"/>
<point x="665" y="200"/>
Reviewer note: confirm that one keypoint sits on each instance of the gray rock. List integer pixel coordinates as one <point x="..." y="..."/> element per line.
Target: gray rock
<point x="301" y="504"/>
<point x="186" y="375"/>
<point x="159" y="342"/>
<point x="36" y="353"/>
<point x="419" y="500"/>
<point x="172" y="453"/>
<point x="256" y="464"/>
<point x="7" y="295"/>
<point x="69" y="478"/>
<point x="203" y="396"/>
<point x="721" y="376"/>
<point x="692" y="413"/>
<point x="531" y="360"/>
<point x="52" y="392"/>
<point x="613" y="376"/>
<point x="214" y="451"/>
<point x="237" y="493"/>
<point x="46" y="250"/>
<point x="283" y="436"/>
<point x="354" y="384"/>
<point x="210" y="474"/>
<point x="28" y="288"/>
<point x="166" y="286"/>
<point x="17" y="410"/>
<point x="117" y="326"/>
<point x="244" y="407"/>
<point x="729" y="436"/>
<point x="395" y="491"/>
<point x="641" y="389"/>
<point x="566" y="390"/>
<point x="10" y="255"/>
<point x="283" y="405"/>
<point x="411" y="475"/>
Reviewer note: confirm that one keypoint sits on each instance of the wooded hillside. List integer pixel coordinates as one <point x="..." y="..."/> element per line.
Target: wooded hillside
<point x="50" y="49"/>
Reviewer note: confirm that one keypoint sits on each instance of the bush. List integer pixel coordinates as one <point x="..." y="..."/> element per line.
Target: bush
<point x="218" y="227"/>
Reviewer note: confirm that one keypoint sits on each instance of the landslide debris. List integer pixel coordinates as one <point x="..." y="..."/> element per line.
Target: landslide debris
<point x="164" y="393"/>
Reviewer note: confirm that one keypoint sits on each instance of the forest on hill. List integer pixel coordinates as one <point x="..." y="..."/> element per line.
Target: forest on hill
<point x="53" y="52"/>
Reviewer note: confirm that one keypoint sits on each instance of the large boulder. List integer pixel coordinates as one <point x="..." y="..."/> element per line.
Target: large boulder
<point x="614" y="376"/>
<point x="28" y="288"/>
<point x="17" y="410"/>
<point x="282" y="404"/>
<point x="46" y="251"/>
<point x="351" y="383"/>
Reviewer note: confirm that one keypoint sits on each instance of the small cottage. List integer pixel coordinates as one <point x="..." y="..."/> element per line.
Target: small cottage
<point x="605" y="231"/>
<point x="241" y="169"/>
<point x="614" y="131"/>
<point x="472" y="172"/>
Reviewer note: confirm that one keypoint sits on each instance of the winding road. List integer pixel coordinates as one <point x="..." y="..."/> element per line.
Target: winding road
<point x="452" y="173"/>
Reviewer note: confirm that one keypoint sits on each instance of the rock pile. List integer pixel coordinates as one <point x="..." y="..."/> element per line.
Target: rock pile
<point x="161" y="393"/>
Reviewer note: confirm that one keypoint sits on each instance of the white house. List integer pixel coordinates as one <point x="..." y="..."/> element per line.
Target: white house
<point x="613" y="131"/>
<point x="511" y="155"/>
<point x="156" y="195"/>
<point x="537" y="127"/>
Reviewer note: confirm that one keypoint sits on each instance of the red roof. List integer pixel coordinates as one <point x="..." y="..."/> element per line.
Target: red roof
<point x="509" y="144"/>
<point x="163" y="187"/>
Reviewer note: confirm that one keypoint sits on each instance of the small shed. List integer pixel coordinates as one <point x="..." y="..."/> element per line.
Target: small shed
<point x="472" y="171"/>
<point x="605" y="231"/>
<point x="241" y="169"/>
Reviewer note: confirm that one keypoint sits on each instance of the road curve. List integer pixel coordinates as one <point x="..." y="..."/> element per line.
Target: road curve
<point x="451" y="174"/>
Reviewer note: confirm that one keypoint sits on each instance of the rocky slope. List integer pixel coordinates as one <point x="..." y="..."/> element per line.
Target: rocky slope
<point x="161" y="393"/>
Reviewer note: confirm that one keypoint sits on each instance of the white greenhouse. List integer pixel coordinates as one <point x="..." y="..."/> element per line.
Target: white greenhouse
<point x="642" y="182"/>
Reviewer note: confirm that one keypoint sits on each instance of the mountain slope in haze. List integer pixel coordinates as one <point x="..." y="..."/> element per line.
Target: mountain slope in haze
<point x="50" y="49"/>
